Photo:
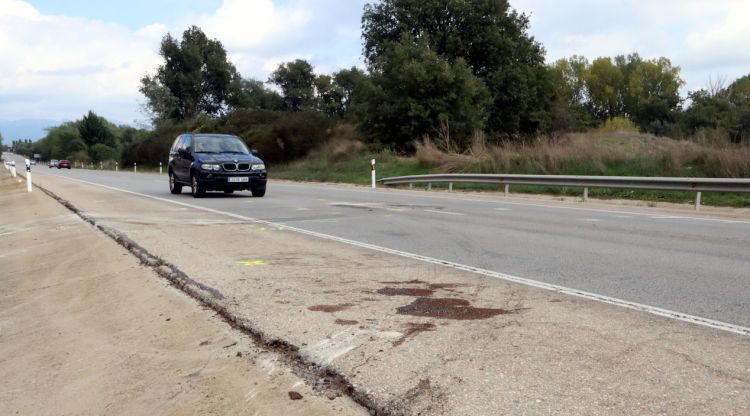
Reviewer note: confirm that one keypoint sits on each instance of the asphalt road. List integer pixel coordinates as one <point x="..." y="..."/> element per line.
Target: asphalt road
<point x="698" y="266"/>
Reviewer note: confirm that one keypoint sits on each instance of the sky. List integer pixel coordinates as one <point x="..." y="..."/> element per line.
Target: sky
<point x="62" y="58"/>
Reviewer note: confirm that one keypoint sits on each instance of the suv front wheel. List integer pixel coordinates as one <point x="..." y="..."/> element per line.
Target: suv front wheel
<point x="196" y="187"/>
<point x="174" y="187"/>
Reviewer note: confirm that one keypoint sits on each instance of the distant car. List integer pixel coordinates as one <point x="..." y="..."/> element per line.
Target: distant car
<point x="63" y="164"/>
<point x="215" y="162"/>
<point x="33" y="161"/>
<point x="53" y="163"/>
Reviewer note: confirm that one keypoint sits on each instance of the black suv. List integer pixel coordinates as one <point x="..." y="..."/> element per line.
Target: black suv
<point x="214" y="162"/>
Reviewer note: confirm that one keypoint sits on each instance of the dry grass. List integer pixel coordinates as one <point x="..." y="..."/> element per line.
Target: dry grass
<point x="595" y="153"/>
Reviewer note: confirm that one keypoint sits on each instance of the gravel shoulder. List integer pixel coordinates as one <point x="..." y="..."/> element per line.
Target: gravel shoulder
<point x="86" y="329"/>
<point x="418" y="338"/>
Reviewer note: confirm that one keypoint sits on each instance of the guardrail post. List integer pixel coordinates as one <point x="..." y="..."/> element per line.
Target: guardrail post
<point x="507" y="189"/>
<point x="585" y="194"/>
<point x="411" y="185"/>
<point x="697" y="201"/>
<point x="429" y="186"/>
<point x="450" y="186"/>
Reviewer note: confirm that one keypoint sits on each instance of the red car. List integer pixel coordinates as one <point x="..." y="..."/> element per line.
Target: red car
<point x="63" y="164"/>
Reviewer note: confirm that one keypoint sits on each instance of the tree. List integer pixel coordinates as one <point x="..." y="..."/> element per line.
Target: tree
<point x="415" y="92"/>
<point x="571" y="107"/>
<point x="252" y="94"/>
<point x="194" y="79"/>
<point x="96" y="130"/>
<point x="651" y="92"/>
<point x="296" y="80"/>
<point x="353" y="83"/>
<point x="739" y="97"/>
<point x="604" y="81"/>
<point x="488" y="36"/>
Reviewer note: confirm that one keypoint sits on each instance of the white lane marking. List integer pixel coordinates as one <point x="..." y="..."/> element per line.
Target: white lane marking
<point x="502" y="209"/>
<point x="697" y="320"/>
<point x="526" y="204"/>
<point x="458" y="214"/>
<point x="623" y="216"/>
<point x="591" y="220"/>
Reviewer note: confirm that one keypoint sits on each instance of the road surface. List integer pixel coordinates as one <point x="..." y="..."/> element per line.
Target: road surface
<point x="696" y="265"/>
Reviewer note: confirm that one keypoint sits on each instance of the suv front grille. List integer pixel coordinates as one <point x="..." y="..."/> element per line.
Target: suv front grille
<point x="235" y="167"/>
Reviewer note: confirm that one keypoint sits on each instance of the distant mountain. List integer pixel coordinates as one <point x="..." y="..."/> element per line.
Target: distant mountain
<point x="25" y="129"/>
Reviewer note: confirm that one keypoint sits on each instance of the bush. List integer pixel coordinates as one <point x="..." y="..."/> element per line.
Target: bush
<point x="618" y="124"/>
<point x="101" y="152"/>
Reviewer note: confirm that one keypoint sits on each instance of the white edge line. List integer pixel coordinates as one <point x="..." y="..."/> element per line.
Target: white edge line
<point x="724" y="326"/>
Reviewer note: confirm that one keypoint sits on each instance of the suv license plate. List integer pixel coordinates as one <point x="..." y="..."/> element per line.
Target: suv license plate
<point x="240" y="179"/>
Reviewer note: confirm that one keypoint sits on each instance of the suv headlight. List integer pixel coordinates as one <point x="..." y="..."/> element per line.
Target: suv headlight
<point x="259" y="167"/>
<point x="210" y="166"/>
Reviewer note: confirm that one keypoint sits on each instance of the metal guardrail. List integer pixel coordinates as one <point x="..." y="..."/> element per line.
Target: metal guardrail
<point x="696" y="185"/>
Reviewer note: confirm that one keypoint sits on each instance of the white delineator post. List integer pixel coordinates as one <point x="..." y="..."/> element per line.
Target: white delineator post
<point x="372" y="165"/>
<point x="28" y="175"/>
<point x="117" y="167"/>
<point x="159" y="168"/>
<point x="135" y="168"/>
<point x="13" y="168"/>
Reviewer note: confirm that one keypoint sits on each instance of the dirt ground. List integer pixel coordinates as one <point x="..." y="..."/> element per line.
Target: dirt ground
<point x="85" y="329"/>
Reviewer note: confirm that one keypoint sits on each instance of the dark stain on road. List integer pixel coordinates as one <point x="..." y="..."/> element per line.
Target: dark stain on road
<point x="328" y="308"/>
<point x="405" y="291"/>
<point x="447" y="308"/>
<point x="433" y="286"/>
<point x="346" y="322"/>
<point x="408" y="282"/>
<point x="412" y="330"/>
<point x="445" y="286"/>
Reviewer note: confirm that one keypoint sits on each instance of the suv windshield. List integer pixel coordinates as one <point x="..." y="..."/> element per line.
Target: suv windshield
<point x="219" y="144"/>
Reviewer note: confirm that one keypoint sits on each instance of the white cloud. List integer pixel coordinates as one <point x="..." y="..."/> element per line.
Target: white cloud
<point x="60" y="67"/>
<point x="703" y="37"/>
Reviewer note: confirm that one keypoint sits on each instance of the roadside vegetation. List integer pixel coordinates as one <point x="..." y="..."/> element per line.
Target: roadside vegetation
<point x="450" y="86"/>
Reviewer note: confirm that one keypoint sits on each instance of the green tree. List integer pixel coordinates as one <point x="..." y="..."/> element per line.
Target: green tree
<point x="571" y="107"/>
<point x="194" y="79"/>
<point x="488" y="36"/>
<point x="415" y="92"/>
<point x="296" y="80"/>
<point x="651" y="92"/>
<point x="604" y="82"/>
<point x="739" y="98"/>
<point x="252" y="94"/>
<point x="95" y="130"/>
<point x="353" y="84"/>
<point x="329" y="96"/>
